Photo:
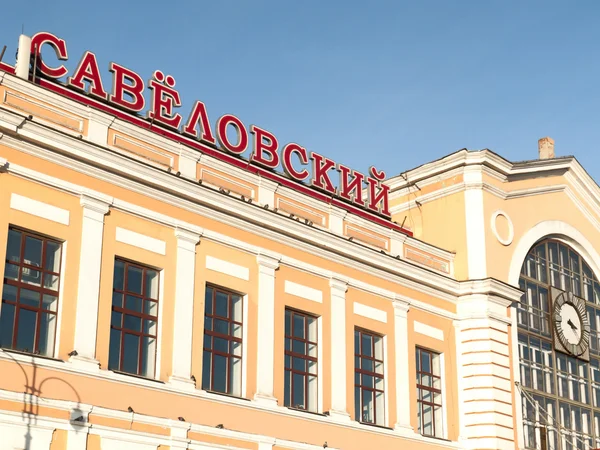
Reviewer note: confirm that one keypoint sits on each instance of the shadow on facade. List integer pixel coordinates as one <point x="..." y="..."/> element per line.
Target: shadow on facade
<point x="32" y="394"/>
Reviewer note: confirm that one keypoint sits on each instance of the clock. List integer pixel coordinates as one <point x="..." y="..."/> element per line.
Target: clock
<point x="571" y="324"/>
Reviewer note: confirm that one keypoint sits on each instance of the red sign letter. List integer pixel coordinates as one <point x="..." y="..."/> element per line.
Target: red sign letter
<point x="381" y="196"/>
<point x="286" y="159"/>
<point x="164" y="99"/>
<point x="135" y="88"/>
<point x="320" y="179"/>
<point x="242" y="144"/>
<point x="351" y="190"/>
<point x="87" y="70"/>
<point x="269" y="147"/>
<point x="199" y="114"/>
<point x="60" y="48"/>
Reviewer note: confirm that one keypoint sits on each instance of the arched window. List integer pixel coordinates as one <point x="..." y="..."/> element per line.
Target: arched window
<point x="560" y="392"/>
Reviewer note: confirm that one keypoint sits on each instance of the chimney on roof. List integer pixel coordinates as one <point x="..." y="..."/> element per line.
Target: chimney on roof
<point x="546" y="148"/>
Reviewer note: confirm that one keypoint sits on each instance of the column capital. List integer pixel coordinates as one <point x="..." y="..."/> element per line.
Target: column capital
<point x="95" y="203"/>
<point x="187" y="238"/>
<point x="401" y="307"/>
<point x="338" y="284"/>
<point x="270" y="262"/>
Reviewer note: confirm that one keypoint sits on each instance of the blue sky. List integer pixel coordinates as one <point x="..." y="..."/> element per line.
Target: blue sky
<point x="387" y="83"/>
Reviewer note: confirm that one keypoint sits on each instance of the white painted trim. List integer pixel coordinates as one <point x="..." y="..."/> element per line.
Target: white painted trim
<point x="39" y="209"/>
<point x="245" y="351"/>
<point x="547" y="229"/>
<point x="299" y="290"/>
<point x="61" y="298"/>
<point x="320" y="365"/>
<point x="370" y="312"/>
<point x="428" y="330"/>
<point x="386" y="383"/>
<point x="222" y="266"/>
<point x="141" y="241"/>
<point x="338" y="343"/>
<point x="159" y="332"/>
<point x="511" y="231"/>
<point x="475" y="228"/>
<point x="445" y="404"/>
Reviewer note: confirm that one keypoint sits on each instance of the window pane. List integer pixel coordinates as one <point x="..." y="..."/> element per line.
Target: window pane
<point x="235" y="382"/>
<point x="9" y="293"/>
<point x="49" y="302"/>
<point x="367" y="345"/>
<point x="312" y="393"/>
<point x="220" y="373"/>
<point x="119" y="275"/>
<point x="148" y="356"/>
<point x="53" y="251"/>
<point x="47" y="331"/>
<point x="379" y="407"/>
<point x="287" y="381"/>
<point x="134" y="279"/>
<point x="131" y="353"/>
<point x="117" y="300"/>
<point x="208" y="301"/>
<point x="11" y="271"/>
<point x="206" y="369"/>
<point x="114" y="352"/>
<point x="299" y="326"/>
<point x="13" y="247"/>
<point x="133" y="303"/>
<point x="31" y="276"/>
<point x="33" y="251"/>
<point x="7" y="318"/>
<point x="237" y="308"/>
<point x="222" y="304"/>
<point x="152" y="284"/>
<point x="132" y="323"/>
<point x="357" y="409"/>
<point x="151" y="308"/>
<point x="299" y="391"/>
<point x="288" y="322"/>
<point x="116" y="319"/>
<point x="51" y="281"/>
<point x="368" y="407"/>
<point x="26" y="330"/>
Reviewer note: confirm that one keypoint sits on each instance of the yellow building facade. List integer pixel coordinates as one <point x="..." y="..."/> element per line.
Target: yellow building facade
<point x="156" y="296"/>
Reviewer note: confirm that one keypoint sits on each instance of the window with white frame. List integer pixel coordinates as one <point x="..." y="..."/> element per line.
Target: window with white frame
<point x="30" y="293"/>
<point x="429" y="393"/>
<point x="369" y="394"/>
<point x="301" y="358"/>
<point x="222" y="352"/>
<point x="134" y="319"/>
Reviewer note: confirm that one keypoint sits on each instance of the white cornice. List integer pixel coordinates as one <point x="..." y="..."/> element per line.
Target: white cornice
<point x="324" y="244"/>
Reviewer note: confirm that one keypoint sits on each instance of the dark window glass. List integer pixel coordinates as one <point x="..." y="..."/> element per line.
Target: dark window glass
<point x="301" y="357"/>
<point x="558" y="391"/>
<point x="429" y="393"/>
<point x="222" y="352"/>
<point x="134" y="322"/>
<point x="368" y="378"/>
<point x="30" y="293"/>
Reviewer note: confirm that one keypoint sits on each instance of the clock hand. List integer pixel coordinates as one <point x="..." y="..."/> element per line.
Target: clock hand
<point x="571" y="324"/>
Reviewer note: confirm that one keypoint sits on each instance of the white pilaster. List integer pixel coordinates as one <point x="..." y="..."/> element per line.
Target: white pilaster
<point x="475" y="223"/>
<point x="188" y="163"/>
<point x="336" y="220"/>
<point x="267" y="265"/>
<point x="266" y="192"/>
<point x="184" y="308"/>
<point x="79" y="429"/>
<point x="403" y="384"/>
<point x="88" y="290"/>
<point x="339" y="409"/>
<point x="179" y="435"/>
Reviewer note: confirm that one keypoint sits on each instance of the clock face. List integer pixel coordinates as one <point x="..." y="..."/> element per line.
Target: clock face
<point x="571" y="324"/>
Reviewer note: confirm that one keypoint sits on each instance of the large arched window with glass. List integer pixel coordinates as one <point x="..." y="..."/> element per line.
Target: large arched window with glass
<point x="560" y="392"/>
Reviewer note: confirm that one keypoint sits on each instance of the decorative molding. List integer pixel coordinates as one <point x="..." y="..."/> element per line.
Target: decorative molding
<point x="222" y="266"/>
<point x="370" y="313"/>
<point x="428" y="330"/>
<point x="141" y="241"/>
<point x="39" y="209"/>
<point x="506" y="241"/>
<point x="299" y="290"/>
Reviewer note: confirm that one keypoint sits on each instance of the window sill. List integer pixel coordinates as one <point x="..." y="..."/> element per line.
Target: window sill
<point x="306" y="411"/>
<point x="374" y="425"/>
<point x="33" y="356"/>
<point x="223" y="394"/>
<point x="141" y="377"/>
